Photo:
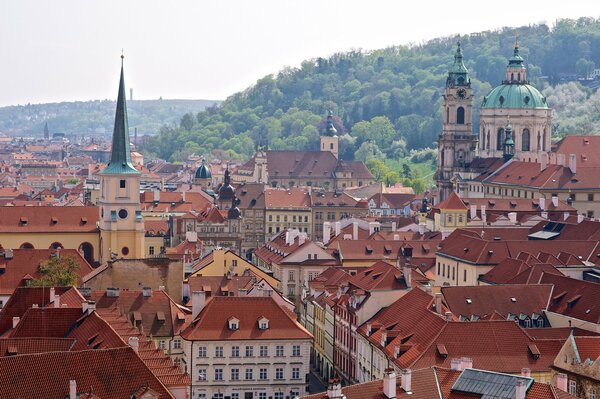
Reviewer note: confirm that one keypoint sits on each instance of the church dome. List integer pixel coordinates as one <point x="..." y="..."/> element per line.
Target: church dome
<point x="515" y="96"/>
<point x="203" y="172"/>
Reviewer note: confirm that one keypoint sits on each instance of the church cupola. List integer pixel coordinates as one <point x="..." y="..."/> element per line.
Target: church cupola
<point x="330" y="140"/>
<point x="509" y="143"/>
<point x="458" y="75"/>
<point x="516" y="73"/>
<point x="330" y="129"/>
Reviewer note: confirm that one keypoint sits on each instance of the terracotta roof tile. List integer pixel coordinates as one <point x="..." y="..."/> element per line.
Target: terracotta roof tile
<point x="30" y="219"/>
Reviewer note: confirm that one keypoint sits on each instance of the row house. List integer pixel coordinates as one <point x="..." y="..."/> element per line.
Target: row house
<point x="245" y="347"/>
<point x="328" y="206"/>
<point x="287" y="209"/>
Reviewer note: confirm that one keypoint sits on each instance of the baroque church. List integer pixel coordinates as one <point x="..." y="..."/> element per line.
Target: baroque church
<point x="515" y="122"/>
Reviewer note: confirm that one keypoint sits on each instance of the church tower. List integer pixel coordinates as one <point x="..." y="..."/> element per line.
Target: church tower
<point x="330" y="140"/>
<point x="457" y="144"/>
<point x="121" y="223"/>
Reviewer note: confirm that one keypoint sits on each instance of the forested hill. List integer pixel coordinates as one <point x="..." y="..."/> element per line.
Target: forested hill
<point x="94" y="117"/>
<point x="391" y="97"/>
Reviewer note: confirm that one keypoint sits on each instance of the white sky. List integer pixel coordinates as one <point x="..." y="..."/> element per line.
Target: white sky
<point x="65" y="50"/>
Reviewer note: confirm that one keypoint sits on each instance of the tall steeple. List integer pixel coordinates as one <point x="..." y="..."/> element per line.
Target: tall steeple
<point x="516" y="72"/>
<point x="458" y="75"/>
<point x="120" y="157"/>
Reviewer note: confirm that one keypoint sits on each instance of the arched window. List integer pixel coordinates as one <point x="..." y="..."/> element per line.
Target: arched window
<point x="26" y="245"/>
<point x="539" y="142"/>
<point x="544" y="141"/>
<point x="483" y="138"/>
<point x="488" y="141"/>
<point x="519" y="76"/>
<point x="500" y="139"/>
<point x="460" y="116"/>
<point x="512" y="76"/>
<point x="447" y="114"/>
<point x="87" y="251"/>
<point x="525" y="140"/>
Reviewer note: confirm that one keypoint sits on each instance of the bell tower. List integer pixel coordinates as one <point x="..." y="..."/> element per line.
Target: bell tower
<point x="457" y="144"/>
<point x="121" y="223"/>
<point x="330" y="140"/>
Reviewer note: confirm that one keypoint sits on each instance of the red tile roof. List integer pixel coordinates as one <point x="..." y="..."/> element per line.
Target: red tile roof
<point x="453" y="202"/>
<point x="30" y="345"/>
<point x="46" y="322"/>
<point x="212" y="322"/>
<point x="574" y="298"/>
<point x="588" y="348"/>
<point x="296" y="198"/>
<point x="110" y="373"/>
<point x="45" y="219"/>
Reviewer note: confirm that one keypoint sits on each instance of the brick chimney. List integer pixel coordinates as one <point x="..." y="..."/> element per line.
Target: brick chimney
<point x="407" y="272"/>
<point x="16" y="320"/>
<point x="542" y="202"/>
<point x="134" y="342"/>
<point x="326" y="232"/>
<point x="72" y="389"/>
<point x="389" y="383"/>
<point x="555" y="201"/>
<point x="407" y="380"/>
<point x="467" y="363"/>
<point x="334" y="389"/>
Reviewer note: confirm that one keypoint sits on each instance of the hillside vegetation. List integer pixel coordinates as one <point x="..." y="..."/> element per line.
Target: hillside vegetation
<point x="94" y="117"/>
<point x="388" y="101"/>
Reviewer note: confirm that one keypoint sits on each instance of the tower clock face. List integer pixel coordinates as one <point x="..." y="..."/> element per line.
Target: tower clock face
<point x="462" y="93"/>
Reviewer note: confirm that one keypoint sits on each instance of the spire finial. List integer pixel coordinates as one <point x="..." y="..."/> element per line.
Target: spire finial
<point x="516" y="39"/>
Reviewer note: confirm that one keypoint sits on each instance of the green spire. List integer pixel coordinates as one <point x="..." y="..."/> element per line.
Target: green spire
<point x="516" y="59"/>
<point x="458" y="74"/>
<point x="120" y="156"/>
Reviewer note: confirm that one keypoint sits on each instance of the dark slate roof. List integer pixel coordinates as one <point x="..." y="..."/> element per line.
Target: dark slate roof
<point x="489" y="384"/>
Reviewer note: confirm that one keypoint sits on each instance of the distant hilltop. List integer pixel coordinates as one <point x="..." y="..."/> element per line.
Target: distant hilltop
<point x="95" y="117"/>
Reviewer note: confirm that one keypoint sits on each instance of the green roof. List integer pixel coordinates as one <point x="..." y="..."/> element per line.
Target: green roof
<point x="120" y="156"/>
<point x="203" y="172"/>
<point x="515" y="96"/>
<point x="458" y="75"/>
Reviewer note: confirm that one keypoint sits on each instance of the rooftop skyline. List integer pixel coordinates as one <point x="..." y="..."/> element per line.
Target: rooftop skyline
<point x="69" y="51"/>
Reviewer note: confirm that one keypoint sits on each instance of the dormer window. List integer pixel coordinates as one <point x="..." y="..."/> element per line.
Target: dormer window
<point x="263" y="323"/>
<point x="234" y="324"/>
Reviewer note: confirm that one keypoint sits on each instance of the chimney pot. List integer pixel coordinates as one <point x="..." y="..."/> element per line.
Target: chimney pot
<point x="526" y="372"/>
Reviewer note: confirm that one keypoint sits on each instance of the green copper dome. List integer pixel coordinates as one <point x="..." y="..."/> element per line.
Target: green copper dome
<point x="203" y="172"/>
<point x="515" y="96"/>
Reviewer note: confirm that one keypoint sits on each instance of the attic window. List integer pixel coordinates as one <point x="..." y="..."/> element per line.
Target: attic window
<point x="263" y="323"/>
<point x="387" y="249"/>
<point x="23" y="221"/>
<point x="469" y="301"/>
<point x="369" y="249"/>
<point x="442" y="351"/>
<point x="535" y="352"/>
<point x="160" y="316"/>
<point x="84" y="220"/>
<point x="137" y="316"/>
<point x="233" y="324"/>
<point x="54" y="220"/>
<point x="571" y="302"/>
<point x="513" y="299"/>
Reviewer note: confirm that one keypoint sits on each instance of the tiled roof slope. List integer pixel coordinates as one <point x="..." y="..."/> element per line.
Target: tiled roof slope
<point x="110" y="373"/>
<point x="212" y="322"/>
<point x="49" y="219"/>
<point x="574" y="298"/>
<point x="30" y="345"/>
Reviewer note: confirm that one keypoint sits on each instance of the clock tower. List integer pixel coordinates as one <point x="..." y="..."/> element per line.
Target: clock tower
<point x="457" y="144"/>
<point x="121" y="223"/>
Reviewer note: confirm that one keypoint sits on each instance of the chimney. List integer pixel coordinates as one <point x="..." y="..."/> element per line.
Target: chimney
<point x="198" y="302"/>
<point x="134" y="342"/>
<point x="287" y="238"/>
<point x="396" y="351"/>
<point x="16" y="320"/>
<point x="56" y="301"/>
<point x="520" y="389"/>
<point x="52" y="293"/>
<point x="580" y="218"/>
<point x="512" y="216"/>
<point x="156" y="195"/>
<point x="438" y="303"/>
<point x="85" y="292"/>
<point x="72" y="389"/>
<point x="326" y="232"/>
<point x="473" y="213"/>
<point x="526" y="372"/>
<point x="565" y="215"/>
<point x="483" y="215"/>
<point x="161" y="287"/>
<point x="467" y="363"/>
<point x="89" y="176"/>
<point x="543" y="161"/>
<point x="421" y="229"/>
<point x="368" y="329"/>
<point x="301" y="239"/>
<point x="544" y="215"/>
<point x="456" y="364"/>
<point x="407" y="380"/>
<point x="573" y="163"/>
<point x="242" y="292"/>
<point x="88" y="307"/>
<point x="407" y="272"/>
<point x="383" y="340"/>
<point x="147" y="292"/>
<point x="542" y="203"/>
<point x="338" y="228"/>
<point x="394" y="226"/>
<point x="555" y="201"/>
<point x="396" y="237"/>
<point x="448" y="316"/>
<point x="561" y="382"/>
<point x="355" y="230"/>
<point x="389" y="383"/>
<point x="112" y="292"/>
<point x="334" y="389"/>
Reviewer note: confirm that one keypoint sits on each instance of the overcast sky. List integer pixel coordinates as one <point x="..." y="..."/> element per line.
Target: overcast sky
<point x="65" y="50"/>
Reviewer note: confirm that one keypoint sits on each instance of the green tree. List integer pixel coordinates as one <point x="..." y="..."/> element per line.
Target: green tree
<point x="57" y="272"/>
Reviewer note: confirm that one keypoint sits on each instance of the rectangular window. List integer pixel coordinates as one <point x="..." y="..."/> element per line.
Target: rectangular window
<point x="264" y="351"/>
<point x="590" y="197"/>
<point x="279" y="395"/>
<point x="176" y="344"/>
<point x="218" y="374"/>
<point x="151" y="250"/>
<point x="249" y="351"/>
<point x="270" y="218"/>
<point x="201" y="374"/>
<point x="162" y="344"/>
<point x="296" y="350"/>
<point x="296" y="373"/>
<point x="262" y="395"/>
<point x="122" y="183"/>
<point x="305" y="219"/>
<point x="235" y="351"/>
<point x="465" y="275"/>
<point x="262" y="375"/>
<point x="235" y="374"/>
<point x="249" y="374"/>
<point x="573" y="387"/>
<point x="291" y="275"/>
<point x="279" y="350"/>
<point x="219" y="351"/>
<point x="202" y="351"/>
<point x="279" y="373"/>
<point x="235" y="395"/>
<point x="291" y="290"/>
